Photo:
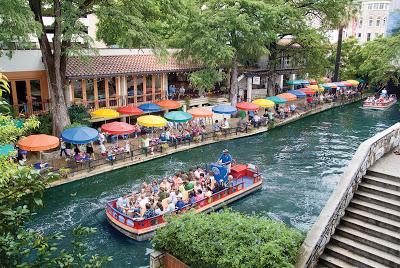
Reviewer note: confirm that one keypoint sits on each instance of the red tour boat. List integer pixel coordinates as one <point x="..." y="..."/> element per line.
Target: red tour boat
<point x="381" y="103"/>
<point x="246" y="179"/>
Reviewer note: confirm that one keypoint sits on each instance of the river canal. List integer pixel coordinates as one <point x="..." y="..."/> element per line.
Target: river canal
<point x="301" y="163"/>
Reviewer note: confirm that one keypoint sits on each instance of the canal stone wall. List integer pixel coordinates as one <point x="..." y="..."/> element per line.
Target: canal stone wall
<point x="366" y="155"/>
<point x="106" y="168"/>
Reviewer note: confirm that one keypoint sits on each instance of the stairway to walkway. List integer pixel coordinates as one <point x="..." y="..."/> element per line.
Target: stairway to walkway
<point x="368" y="235"/>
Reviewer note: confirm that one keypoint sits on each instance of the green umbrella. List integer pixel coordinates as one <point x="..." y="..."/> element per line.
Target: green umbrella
<point x="277" y="100"/>
<point x="178" y="116"/>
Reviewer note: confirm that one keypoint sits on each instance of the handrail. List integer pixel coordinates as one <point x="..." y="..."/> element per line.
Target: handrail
<point x="366" y="155"/>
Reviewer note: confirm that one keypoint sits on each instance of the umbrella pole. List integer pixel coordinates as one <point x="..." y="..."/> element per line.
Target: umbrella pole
<point x="40" y="157"/>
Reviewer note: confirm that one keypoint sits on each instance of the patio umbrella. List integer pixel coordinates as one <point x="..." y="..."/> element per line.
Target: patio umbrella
<point x="304" y="82"/>
<point x="38" y="143"/>
<point x="313" y="87"/>
<point x="178" y="116"/>
<point x="277" y="100"/>
<point x="79" y="135"/>
<point x="264" y="103"/>
<point x="360" y="80"/>
<point x="224" y="109"/>
<point x="104" y="113"/>
<point x="6" y="149"/>
<point x="326" y="86"/>
<point x="118" y="128"/>
<point x="247" y="106"/>
<point x="312" y="82"/>
<point x="200" y="112"/>
<point x="169" y="104"/>
<point x="297" y="93"/>
<point x="308" y="91"/>
<point x="294" y="82"/>
<point x="287" y="96"/>
<point x="339" y="84"/>
<point x="353" y="82"/>
<point x="347" y="84"/>
<point x="150" y="108"/>
<point x="332" y="85"/>
<point x="151" y="121"/>
<point x="130" y="110"/>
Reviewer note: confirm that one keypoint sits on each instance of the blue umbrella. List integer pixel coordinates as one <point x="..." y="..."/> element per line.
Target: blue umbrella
<point x="79" y="135"/>
<point x="339" y="84"/>
<point x="6" y="149"/>
<point x="224" y="109"/>
<point x="178" y="116"/>
<point x="327" y="87"/>
<point x="297" y="93"/>
<point x="150" y="108"/>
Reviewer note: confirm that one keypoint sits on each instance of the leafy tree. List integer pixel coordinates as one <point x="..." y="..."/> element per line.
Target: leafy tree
<point x="21" y="189"/>
<point x="351" y="58"/>
<point x="21" y="18"/>
<point x="229" y="239"/>
<point x="380" y="60"/>
<point x="11" y="129"/>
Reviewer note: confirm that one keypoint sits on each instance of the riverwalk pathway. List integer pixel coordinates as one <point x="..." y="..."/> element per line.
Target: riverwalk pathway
<point x="232" y="134"/>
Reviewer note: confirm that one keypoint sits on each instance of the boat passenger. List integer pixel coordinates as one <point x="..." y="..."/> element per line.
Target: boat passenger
<point x="226" y="159"/>
<point x="229" y="183"/>
<point x="189" y="185"/>
<point x="199" y="195"/>
<point x="192" y="198"/>
<point x="171" y="206"/>
<point x="159" y="209"/>
<point x="197" y="172"/>
<point x="149" y="213"/>
<point x="165" y="184"/>
<point x="180" y="204"/>
<point x="216" y="127"/>
<point x="154" y="186"/>
<point x="209" y="192"/>
<point x="172" y="196"/>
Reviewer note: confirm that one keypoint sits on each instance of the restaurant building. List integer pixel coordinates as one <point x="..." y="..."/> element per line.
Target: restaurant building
<point x="113" y="78"/>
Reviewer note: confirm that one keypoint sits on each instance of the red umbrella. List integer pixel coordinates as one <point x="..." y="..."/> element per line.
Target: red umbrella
<point x="118" y="128"/>
<point x="247" y="106"/>
<point x="130" y="110"/>
<point x="308" y="91"/>
<point x="169" y="104"/>
<point x="347" y="84"/>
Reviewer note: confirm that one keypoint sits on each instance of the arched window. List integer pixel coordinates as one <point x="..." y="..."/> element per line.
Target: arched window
<point x="378" y="21"/>
<point x="371" y="20"/>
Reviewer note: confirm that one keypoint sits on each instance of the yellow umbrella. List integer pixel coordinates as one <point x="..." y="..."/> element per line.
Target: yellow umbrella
<point x="105" y="113"/>
<point x="353" y="82"/>
<point x="320" y="89"/>
<point x="264" y="103"/>
<point x="151" y="121"/>
<point x="314" y="87"/>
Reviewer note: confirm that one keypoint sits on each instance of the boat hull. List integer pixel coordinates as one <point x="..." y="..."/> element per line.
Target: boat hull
<point x="146" y="233"/>
<point x="379" y="107"/>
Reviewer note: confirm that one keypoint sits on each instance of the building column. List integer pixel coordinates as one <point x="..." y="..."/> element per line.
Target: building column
<point x="123" y="90"/>
<point x="164" y="92"/>
<point x="249" y="87"/>
<point x="280" y="82"/>
<point x="292" y="77"/>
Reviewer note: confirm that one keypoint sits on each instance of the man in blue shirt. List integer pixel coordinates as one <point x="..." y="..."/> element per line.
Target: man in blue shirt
<point x="226" y="159"/>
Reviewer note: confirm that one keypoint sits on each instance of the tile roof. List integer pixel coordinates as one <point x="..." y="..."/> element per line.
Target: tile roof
<point x="103" y="66"/>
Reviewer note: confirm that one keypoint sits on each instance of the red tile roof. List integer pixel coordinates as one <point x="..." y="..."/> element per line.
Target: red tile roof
<point x="103" y="66"/>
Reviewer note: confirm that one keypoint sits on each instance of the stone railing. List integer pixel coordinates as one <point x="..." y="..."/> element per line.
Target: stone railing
<point x="366" y="155"/>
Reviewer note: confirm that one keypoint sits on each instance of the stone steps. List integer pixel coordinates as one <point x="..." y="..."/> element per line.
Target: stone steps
<point x="368" y="235"/>
<point x="382" y="182"/>
<point x="379" y="200"/>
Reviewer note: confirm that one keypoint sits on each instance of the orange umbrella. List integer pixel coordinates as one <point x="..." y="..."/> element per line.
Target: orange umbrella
<point x="308" y="91"/>
<point x="169" y="104"/>
<point x="287" y="96"/>
<point x="200" y="112"/>
<point x="37" y="143"/>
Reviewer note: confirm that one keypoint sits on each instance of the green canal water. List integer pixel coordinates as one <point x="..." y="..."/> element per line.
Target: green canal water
<point x="301" y="164"/>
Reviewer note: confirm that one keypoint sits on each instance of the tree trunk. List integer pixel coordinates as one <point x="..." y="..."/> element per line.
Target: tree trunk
<point x="271" y="84"/>
<point x="54" y="59"/>
<point x="338" y="55"/>
<point x="234" y="84"/>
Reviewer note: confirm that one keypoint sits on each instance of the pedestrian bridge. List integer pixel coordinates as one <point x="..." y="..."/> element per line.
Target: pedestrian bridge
<point x="360" y="224"/>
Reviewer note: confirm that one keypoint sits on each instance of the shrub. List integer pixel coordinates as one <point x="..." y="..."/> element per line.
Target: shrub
<point x="46" y="124"/>
<point x="76" y="124"/>
<point x="79" y="114"/>
<point x="229" y="239"/>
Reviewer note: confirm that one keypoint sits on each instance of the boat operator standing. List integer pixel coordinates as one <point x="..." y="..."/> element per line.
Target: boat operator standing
<point x="226" y="159"/>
